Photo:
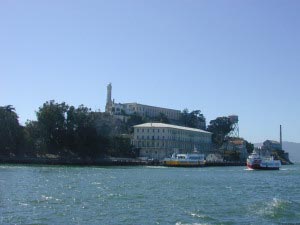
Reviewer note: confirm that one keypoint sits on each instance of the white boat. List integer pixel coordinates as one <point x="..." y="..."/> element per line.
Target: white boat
<point x="258" y="162"/>
<point x="185" y="160"/>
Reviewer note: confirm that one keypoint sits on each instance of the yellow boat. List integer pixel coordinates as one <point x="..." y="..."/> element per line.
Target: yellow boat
<point x="185" y="160"/>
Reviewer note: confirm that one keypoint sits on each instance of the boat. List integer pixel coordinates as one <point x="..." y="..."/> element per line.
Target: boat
<point x="257" y="162"/>
<point x="185" y="160"/>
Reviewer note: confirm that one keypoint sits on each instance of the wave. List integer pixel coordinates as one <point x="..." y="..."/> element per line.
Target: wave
<point x="278" y="208"/>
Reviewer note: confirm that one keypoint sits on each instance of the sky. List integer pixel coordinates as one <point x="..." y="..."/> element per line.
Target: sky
<point x="222" y="57"/>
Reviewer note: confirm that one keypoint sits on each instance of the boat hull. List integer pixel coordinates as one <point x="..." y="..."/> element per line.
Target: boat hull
<point x="258" y="162"/>
<point x="185" y="160"/>
<point x="259" y="167"/>
<point x="174" y="163"/>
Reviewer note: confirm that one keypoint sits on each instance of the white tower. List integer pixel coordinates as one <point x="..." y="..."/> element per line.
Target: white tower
<point x="108" y="106"/>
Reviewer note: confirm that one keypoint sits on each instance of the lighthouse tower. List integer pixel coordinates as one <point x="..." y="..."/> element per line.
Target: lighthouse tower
<point x="108" y="106"/>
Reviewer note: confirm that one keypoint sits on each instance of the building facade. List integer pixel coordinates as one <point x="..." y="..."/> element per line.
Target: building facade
<point x="159" y="140"/>
<point x="238" y="145"/>
<point x="271" y="145"/>
<point x="123" y="109"/>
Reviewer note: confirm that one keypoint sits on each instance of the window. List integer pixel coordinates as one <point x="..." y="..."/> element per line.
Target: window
<point x="138" y="130"/>
<point x="142" y="130"/>
<point x="152" y="137"/>
<point x="137" y="137"/>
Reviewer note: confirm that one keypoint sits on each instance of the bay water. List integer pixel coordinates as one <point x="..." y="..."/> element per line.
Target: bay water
<point x="148" y="195"/>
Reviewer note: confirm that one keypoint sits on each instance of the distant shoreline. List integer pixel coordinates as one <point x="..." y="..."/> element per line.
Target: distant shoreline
<point x="101" y="162"/>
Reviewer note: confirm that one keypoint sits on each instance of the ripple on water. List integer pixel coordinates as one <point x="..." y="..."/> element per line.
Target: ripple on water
<point x="278" y="209"/>
<point x="202" y="216"/>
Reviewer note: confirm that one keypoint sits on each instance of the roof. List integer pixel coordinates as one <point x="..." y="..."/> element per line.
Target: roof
<point x="237" y="142"/>
<point x="164" y="125"/>
<point x="151" y="106"/>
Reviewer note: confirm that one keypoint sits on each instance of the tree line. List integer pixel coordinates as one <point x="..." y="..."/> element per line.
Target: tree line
<point x="63" y="130"/>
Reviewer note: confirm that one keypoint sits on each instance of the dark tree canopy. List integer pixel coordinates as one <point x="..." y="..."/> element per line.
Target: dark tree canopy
<point x="249" y="147"/>
<point x="220" y="127"/>
<point x="52" y="124"/>
<point x="10" y="131"/>
<point x="65" y="131"/>
<point x="194" y="119"/>
<point x="161" y="118"/>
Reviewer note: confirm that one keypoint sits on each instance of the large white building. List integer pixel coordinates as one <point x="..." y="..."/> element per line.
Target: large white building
<point x="159" y="140"/>
<point x="131" y="108"/>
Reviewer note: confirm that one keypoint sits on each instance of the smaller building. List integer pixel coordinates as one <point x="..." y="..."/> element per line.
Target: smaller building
<point x="237" y="145"/>
<point x="159" y="140"/>
<point x="271" y="145"/>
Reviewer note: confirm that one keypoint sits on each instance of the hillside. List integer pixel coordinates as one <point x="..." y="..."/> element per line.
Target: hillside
<point x="291" y="147"/>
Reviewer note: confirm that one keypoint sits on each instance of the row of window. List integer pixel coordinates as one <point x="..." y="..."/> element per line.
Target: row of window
<point x="144" y="130"/>
<point x="153" y="110"/>
<point x="166" y="144"/>
<point x="173" y="138"/>
<point x="148" y="138"/>
<point x="174" y="132"/>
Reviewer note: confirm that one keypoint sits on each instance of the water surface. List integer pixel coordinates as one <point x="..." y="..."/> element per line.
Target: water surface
<point x="148" y="195"/>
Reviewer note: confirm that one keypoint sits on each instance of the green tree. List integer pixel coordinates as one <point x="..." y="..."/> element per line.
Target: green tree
<point x="249" y="147"/>
<point x="121" y="147"/>
<point x="11" y="134"/>
<point x="82" y="135"/>
<point x="52" y="125"/>
<point x="194" y="119"/>
<point x="220" y="127"/>
<point x="134" y="119"/>
<point x="33" y="138"/>
<point x="162" y="118"/>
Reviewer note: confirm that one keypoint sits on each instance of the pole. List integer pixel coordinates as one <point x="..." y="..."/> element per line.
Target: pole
<point x="280" y="137"/>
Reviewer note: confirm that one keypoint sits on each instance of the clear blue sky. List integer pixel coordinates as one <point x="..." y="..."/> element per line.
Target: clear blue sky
<point x="222" y="57"/>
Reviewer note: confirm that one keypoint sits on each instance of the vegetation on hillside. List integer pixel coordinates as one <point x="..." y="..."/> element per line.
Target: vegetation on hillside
<point x="220" y="128"/>
<point x="63" y="130"/>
